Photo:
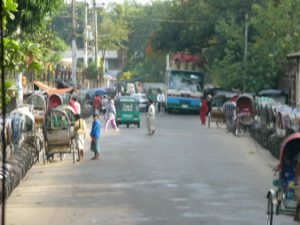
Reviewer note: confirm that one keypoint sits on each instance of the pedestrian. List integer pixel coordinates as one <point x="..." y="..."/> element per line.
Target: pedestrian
<point x="104" y="104"/>
<point x="203" y="111"/>
<point x="95" y="135"/>
<point x="111" y="116"/>
<point x="80" y="131"/>
<point x="209" y="99"/>
<point x="151" y="118"/>
<point x="160" y="102"/>
<point x="77" y="105"/>
<point x="229" y="111"/>
<point x="97" y="104"/>
<point x="73" y="105"/>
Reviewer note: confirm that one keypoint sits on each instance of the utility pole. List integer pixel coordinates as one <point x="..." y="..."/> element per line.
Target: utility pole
<point x="85" y="35"/>
<point x="74" y="48"/>
<point x="245" y="52"/>
<point x="95" y="34"/>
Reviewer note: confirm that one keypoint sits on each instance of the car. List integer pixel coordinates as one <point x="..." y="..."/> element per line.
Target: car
<point x="143" y="101"/>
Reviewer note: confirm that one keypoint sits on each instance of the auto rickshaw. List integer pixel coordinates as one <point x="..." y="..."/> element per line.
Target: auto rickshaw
<point x="127" y="111"/>
<point x="282" y="199"/>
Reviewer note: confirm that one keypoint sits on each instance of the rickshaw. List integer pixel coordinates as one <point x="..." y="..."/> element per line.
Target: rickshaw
<point x="54" y="100"/>
<point x="217" y="113"/>
<point x="245" y="113"/>
<point x="39" y="108"/>
<point x="282" y="198"/>
<point x="127" y="111"/>
<point x="58" y="134"/>
<point x="70" y="112"/>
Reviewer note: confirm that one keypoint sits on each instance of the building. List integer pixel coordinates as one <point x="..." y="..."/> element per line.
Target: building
<point x="113" y="60"/>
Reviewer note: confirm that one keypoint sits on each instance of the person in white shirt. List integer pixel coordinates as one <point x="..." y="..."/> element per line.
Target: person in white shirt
<point x="104" y="104"/>
<point x="160" y="102"/>
<point x="151" y="118"/>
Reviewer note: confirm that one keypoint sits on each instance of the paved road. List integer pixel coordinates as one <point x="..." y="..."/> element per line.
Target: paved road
<point x="183" y="175"/>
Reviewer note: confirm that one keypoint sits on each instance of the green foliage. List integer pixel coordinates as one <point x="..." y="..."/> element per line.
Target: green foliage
<point x="215" y="29"/>
<point x="8" y="84"/>
<point x="62" y="23"/>
<point x="91" y="71"/>
<point x="113" y="30"/>
<point x="142" y="59"/>
<point x="33" y="15"/>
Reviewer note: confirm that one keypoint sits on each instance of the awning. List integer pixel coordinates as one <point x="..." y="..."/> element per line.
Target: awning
<point x="52" y="90"/>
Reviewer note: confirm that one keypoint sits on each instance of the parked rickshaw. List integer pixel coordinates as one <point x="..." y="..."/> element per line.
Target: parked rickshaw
<point x="39" y="108"/>
<point x="245" y="113"/>
<point x="127" y="111"/>
<point x="70" y="112"/>
<point x="282" y="199"/>
<point x="217" y="114"/>
<point x="54" y="100"/>
<point x="58" y="134"/>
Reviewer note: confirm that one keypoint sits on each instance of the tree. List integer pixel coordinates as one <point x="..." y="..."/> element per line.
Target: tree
<point x="142" y="58"/>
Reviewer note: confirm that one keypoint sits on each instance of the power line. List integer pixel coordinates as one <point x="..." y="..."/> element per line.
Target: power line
<point x="166" y="20"/>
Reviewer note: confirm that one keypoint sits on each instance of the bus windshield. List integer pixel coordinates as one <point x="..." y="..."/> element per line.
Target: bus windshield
<point x="186" y="81"/>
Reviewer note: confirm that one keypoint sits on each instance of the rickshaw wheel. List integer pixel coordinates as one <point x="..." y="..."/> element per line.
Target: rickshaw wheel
<point x="270" y="211"/>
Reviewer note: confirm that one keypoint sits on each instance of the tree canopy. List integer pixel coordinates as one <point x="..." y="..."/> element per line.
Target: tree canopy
<point x="216" y="29"/>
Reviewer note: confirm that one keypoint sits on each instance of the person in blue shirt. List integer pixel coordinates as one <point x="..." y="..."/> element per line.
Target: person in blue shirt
<point x="95" y="135"/>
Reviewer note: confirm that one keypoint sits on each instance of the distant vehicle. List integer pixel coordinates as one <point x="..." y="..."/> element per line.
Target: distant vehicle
<point x="280" y="96"/>
<point x="127" y="111"/>
<point x="91" y="93"/>
<point x="152" y="93"/>
<point x="143" y="101"/>
<point x="185" y="82"/>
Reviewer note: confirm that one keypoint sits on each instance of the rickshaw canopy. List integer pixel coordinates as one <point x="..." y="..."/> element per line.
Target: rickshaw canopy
<point x="293" y="151"/>
<point x="38" y="101"/>
<point x="54" y="100"/>
<point x="245" y="103"/>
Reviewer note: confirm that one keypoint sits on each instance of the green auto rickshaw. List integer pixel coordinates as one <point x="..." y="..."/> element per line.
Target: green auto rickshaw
<point x="127" y="111"/>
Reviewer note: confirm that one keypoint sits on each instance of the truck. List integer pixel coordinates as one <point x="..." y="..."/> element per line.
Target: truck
<point x="185" y="82"/>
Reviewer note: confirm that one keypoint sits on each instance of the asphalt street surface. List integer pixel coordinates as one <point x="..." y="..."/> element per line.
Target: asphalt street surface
<point x="185" y="174"/>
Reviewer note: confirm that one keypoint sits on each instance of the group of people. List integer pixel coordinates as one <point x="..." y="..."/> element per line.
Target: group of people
<point x="80" y="130"/>
<point x="108" y="109"/>
<point x="228" y="108"/>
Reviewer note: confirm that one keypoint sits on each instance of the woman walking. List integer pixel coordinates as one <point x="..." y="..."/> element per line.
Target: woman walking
<point x="203" y="111"/>
<point x="111" y="116"/>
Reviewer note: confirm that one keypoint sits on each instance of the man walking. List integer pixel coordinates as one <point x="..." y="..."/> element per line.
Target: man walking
<point x="97" y="104"/>
<point x="95" y="135"/>
<point x="229" y="111"/>
<point x="151" y="118"/>
<point x="160" y="102"/>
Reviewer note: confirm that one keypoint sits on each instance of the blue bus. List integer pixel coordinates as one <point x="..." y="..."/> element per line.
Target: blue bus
<point x="185" y="89"/>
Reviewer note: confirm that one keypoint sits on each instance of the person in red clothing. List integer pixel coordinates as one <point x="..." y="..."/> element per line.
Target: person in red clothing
<point x="73" y="105"/>
<point x="97" y="104"/>
<point x="203" y="111"/>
